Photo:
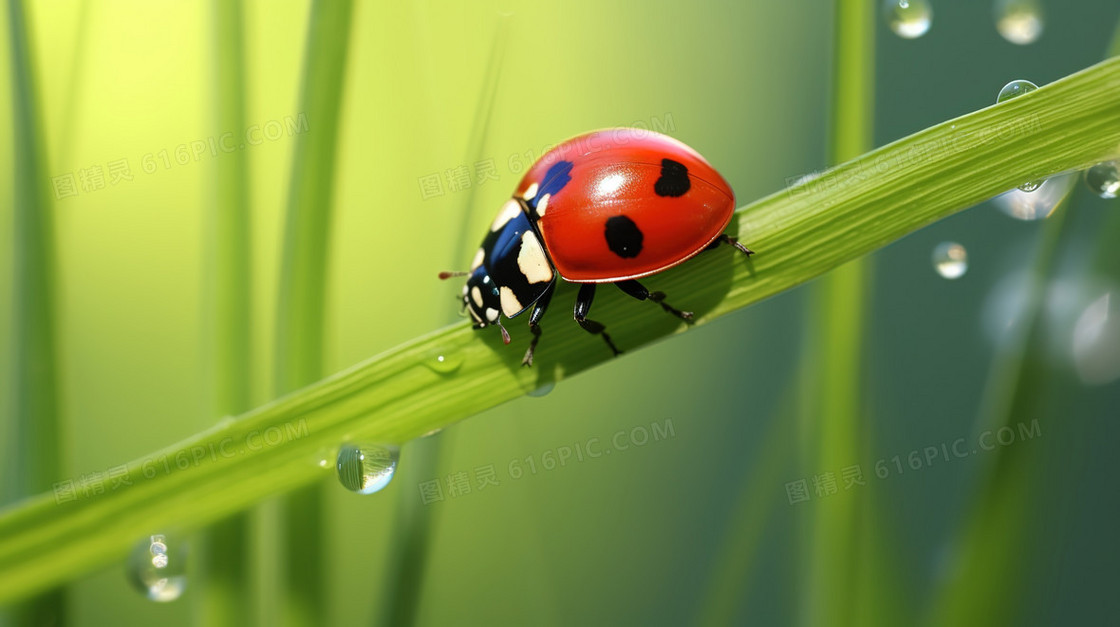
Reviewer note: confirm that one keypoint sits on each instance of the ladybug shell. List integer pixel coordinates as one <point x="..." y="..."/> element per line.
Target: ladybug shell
<point x="624" y="203"/>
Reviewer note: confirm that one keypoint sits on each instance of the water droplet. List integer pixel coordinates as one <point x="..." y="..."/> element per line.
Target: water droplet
<point x="1104" y="179"/>
<point x="1096" y="341"/>
<point x="950" y="259"/>
<point x="908" y="19"/>
<point x="542" y="390"/>
<point x="1019" y="21"/>
<point x="158" y="568"/>
<point x="1038" y="204"/>
<point x="445" y="363"/>
<point x="367" y="468"/>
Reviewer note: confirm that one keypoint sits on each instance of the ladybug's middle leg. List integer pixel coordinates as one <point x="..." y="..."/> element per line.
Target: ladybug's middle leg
<point x="583" y="305"/>
<point x="534" y="323"/>
<point x="637" y="290"/>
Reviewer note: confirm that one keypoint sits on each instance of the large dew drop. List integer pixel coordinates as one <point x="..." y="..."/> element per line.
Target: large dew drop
<point x="1019" y="21"/>
<point x="1104" y="179"/>
<point x="1038" y="204"/>
<point x="908" y="19"/>
<point x="158" y="568"/>
<point x="367" y="468"/>
<point x="950" y="259"/>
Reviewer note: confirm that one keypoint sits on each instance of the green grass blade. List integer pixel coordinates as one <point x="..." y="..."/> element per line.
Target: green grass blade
<point x="225" y="576"/>
<point x="835" y="339"/>
<point x="799" y="234"/>
<point x="303" y="281"/>
<point x="33" y="459"/>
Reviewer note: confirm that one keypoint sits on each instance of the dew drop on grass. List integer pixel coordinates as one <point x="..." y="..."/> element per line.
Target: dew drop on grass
<point x="542" y="390"/>
<point x="950" y="259"/>
<point x="1104" y="179"/>
<point x="445" y="363"/>
<point x="908" y="19"/>
<point x="1014" y="89"/>
<point x="367" y="468"/>
<point x="1019" y="21"/>
<point x="158" y="568"/>
<point x="1038" y="204"/>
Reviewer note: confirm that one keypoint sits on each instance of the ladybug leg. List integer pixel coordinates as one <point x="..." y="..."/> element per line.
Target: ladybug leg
<point x="731" y="241"/>
<point x="637" y="290"/>
<point x="534" y="324"/>
<point x="583" y="305"/>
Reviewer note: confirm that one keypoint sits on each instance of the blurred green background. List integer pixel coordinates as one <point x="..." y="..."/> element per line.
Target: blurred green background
<point x="700" y="525"/>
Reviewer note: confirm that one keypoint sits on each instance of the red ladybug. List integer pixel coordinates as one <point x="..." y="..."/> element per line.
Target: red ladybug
<point x="610" y="206"/>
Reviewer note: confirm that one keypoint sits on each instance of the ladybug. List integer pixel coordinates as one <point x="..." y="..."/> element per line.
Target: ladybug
<point x="610" y="206"/>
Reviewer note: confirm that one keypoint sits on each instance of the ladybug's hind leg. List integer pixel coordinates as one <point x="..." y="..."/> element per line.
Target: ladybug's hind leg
<point x="730" y="241"/>
<point x="583" y="305"/>
<point x="637" y="290"/>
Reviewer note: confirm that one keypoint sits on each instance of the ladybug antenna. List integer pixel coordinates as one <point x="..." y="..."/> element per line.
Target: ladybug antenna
<point x="447" y="275"/>
<point x="505" y="334"/>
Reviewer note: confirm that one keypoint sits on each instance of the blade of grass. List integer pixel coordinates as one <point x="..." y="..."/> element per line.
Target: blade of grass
<point x="303" y="280"/>
<point x="831" y="390"/>
<point x="799" y="234"/>
<point x="34" y="453"/>
<point x="412" y="533"/>
<point x="225" y="572"/>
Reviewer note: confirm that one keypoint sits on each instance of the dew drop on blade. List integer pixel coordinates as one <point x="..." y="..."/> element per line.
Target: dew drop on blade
<point x="1038" y="204"/>
<point x="1104" y="179"/>
<point x="908" y="19"/>
<point x="1019" y="21"/>
<point x="950" y="259"/>
<point x="157" y="568"/>
<point x="444" y="363"/>
<point x="367" y="468"/>
<point x="542" y="389"/>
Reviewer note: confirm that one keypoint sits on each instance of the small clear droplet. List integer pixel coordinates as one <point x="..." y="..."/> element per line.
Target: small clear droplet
<point x="542" y="390"/>
<point x="950" y="259"/>
<point x="908" y="19"/>
<point x="158" y="568"/>
<point x="1104" y="179"/>
<point x="367" y="468"/>
<point x="1038" y="204"/>
<point x="1014" y="89"/>
<point x="1019" y="21"/>
<point x="445" y="363"/>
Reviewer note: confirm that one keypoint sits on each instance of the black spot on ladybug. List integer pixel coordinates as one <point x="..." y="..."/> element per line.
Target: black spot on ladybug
<point x="624" y="238"/>
<point x="674" y="179"/>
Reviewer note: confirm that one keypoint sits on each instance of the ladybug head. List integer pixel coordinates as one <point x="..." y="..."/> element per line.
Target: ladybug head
<point x="481" y="298"/>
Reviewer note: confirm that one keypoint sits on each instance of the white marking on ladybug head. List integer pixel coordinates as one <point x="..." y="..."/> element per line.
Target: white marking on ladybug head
<point x="476" y="296"/>
<point x="510" y="305"/>
<point x="529" y="193"/>
<point x="465" y="289"/>
<point x="532" y="261"/>
<point x="509" y="211"/>
<point x="542" y="205"/>
<point x="478" y="258"/>
<point x="491" y="314"/>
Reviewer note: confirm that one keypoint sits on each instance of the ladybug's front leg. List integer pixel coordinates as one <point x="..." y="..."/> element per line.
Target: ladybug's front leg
<point x="583" y="305"/>
<point x="534" y="323"/>
<point x="637" y="290"/>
